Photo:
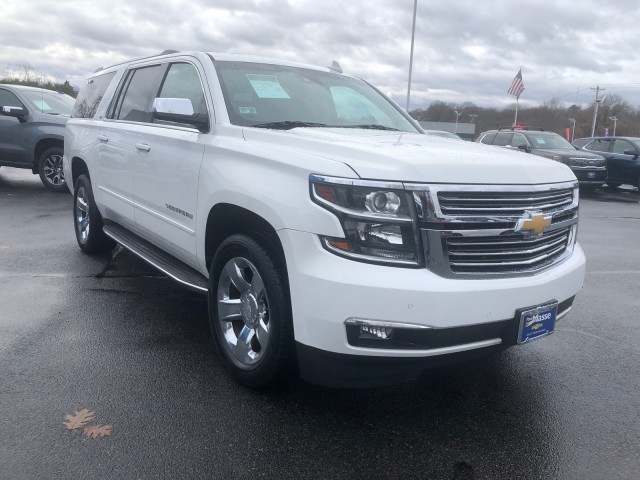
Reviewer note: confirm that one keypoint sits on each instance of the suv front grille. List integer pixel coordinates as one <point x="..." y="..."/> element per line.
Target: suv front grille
<point x="488" y="231"/>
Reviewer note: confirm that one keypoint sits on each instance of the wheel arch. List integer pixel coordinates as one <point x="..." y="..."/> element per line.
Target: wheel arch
<point x="78" y="167"/>
<point x="42" y="145"/>
<point x="226" y="219"/>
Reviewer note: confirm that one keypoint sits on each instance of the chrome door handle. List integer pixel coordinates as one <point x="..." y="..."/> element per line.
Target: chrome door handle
<point x="143" y="146"/>
<point x="103" y="138"/>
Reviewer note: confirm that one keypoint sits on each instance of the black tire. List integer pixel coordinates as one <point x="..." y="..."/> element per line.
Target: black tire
<point x="87" y="221"/>
<point x="613" y="184"/>
<point x="261" y="315"/>
<point x="50" y="170"/>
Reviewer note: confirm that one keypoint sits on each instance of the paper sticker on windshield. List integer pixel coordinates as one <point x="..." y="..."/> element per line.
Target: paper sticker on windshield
<point x="41" y="105"/>
<point x="267" y="86"/>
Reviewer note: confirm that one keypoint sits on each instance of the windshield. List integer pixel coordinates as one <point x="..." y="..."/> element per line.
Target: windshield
<point x="280" y="97"/>
<point x="52" y="103"/>
<point x="542" y="140"/>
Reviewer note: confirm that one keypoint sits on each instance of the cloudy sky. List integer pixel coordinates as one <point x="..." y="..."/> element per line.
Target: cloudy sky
<point x="464" y="50"/>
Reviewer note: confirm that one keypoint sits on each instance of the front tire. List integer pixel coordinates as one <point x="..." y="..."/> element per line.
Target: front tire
<point x="50" y="169"/>
<point x="250" y="312"/>
<point x="87" y="220"/>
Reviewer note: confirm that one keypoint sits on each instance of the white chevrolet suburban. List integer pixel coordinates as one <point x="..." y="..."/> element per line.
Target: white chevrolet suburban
<point x="333" y="238"/>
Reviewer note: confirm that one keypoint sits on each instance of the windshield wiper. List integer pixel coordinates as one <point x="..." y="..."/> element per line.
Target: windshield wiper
<point x="288" y="124"/>
<point x="370" y="126"/>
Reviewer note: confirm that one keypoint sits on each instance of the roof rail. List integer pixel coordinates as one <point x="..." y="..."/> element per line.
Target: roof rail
<point x="522" y="128"/>
<point x="165" y="52"/>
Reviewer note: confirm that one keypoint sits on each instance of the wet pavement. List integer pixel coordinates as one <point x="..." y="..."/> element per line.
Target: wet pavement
<point x="117" y="338"/>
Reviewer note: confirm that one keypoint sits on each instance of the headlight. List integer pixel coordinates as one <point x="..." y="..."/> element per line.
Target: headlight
<point x="557" y="158"/>
<point x="376" y="217"/>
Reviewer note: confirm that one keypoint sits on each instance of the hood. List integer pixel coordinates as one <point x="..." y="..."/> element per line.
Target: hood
<point x="563" y="152"/>
<point x="413" y="157"/>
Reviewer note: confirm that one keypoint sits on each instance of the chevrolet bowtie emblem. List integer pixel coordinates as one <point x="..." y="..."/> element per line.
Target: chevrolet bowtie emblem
<point x="535" y="224"/>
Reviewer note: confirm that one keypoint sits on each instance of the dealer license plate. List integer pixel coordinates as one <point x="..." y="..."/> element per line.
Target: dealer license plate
<point x="537" y="322"/>
<point x="591" y="174"/>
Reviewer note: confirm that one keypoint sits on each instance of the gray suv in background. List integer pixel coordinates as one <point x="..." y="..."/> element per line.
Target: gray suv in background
<point x="590" y="169"/>
<point x="32" y="122"/>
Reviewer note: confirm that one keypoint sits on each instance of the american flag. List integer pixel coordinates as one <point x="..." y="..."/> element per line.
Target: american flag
<point x="517" y="86"/>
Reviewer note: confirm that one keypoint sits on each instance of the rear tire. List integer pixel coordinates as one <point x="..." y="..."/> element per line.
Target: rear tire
<point x="87" y="220"/>
<point x="50" y="170"/>
<point x="250" y="312"/>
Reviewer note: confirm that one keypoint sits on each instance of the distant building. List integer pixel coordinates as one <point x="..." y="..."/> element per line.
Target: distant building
<point x="466" y="131"/>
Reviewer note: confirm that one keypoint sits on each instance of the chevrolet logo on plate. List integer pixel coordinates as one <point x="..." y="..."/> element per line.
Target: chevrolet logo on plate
<point x="535" y="224"/>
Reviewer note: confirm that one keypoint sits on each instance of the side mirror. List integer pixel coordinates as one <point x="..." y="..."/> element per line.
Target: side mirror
<point x="524" y="147"/>
<point x="631" y="152"/>
<point x="18" y="112"/>
<point x="179" y="110"/>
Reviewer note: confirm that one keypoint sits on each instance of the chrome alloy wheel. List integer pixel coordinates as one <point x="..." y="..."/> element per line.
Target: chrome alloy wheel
<point x="52" y="168"/>
<point x="82" y="215"/>
<point x="243" y="311"/>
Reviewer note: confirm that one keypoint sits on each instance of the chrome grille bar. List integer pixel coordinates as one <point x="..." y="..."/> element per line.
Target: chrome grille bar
<point x="507" y="253"/>
<point x="499" y="242"/>
<point x="520" y="263"/>
<point x="492" y="204"/>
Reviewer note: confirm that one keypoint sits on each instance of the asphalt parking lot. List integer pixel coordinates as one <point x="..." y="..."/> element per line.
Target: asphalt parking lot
<point x="113" y="336"/>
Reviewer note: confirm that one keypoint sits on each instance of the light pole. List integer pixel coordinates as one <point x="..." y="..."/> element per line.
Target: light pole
<point x="457" y="115"/>
<point x="573" y="128"/>
<point x="615" y="120"/>
<point x="413" y="36"/>
<point x="595" y="112"/>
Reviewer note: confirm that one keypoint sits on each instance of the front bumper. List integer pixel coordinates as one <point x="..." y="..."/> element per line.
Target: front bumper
<point x="326" y="290"/>
<point x="590" y="176"/>
<point x="456" y="344"/>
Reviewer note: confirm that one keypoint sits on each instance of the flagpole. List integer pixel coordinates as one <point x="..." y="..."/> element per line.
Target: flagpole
<point x="515" y="120"/>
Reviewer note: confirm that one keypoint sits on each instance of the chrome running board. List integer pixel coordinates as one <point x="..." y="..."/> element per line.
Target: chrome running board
<point x="157" y="258"/>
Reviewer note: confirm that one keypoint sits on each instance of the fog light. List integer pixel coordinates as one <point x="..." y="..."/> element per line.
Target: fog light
<point x="368" y="332"/>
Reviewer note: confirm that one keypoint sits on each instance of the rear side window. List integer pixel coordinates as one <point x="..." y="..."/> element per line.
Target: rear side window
<point x="488" y="138"/>
<point x="91" y="95"/>
<point x="599" y="146"/>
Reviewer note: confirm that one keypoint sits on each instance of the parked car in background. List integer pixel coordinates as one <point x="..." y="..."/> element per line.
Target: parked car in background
<point x="32" y="122"/>
<point x="622" y="155"/>
<point x="589" y="168"/>
<point x="443" y="133"/>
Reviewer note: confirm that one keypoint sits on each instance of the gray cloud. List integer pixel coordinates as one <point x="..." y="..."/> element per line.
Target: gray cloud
<point x="464" y="50"/>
